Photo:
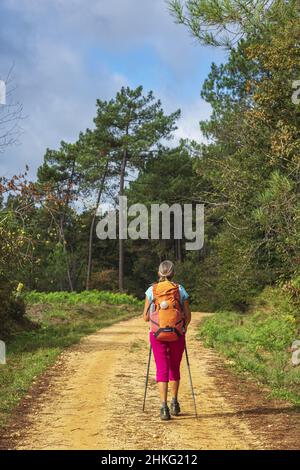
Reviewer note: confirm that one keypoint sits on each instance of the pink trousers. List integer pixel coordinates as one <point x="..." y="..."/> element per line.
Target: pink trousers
<point x="167" y="357"/>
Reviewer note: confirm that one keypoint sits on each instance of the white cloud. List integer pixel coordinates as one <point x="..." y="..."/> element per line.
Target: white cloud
<point x="192" y="114"/>
<point x="50" y="41"/>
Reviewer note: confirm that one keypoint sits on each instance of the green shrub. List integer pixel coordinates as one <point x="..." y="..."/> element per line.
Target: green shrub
<point x="12" y="308"/>
<point x="85" y="297"/>
<point x="259" y="342"/>
<point x="105" y="280"/>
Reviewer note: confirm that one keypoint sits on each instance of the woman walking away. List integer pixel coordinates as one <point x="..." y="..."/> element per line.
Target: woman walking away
<point x="167" y="309"/>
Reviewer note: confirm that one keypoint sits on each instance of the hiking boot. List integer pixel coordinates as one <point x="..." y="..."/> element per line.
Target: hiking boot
<point x="165" y="413"/>
<point x="175" y="408"/>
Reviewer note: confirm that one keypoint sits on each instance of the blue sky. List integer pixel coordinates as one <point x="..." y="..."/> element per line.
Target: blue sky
<point x="68" y="53"/>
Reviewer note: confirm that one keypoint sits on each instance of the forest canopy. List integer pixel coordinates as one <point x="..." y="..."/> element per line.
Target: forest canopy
<point x="246" y="175"/>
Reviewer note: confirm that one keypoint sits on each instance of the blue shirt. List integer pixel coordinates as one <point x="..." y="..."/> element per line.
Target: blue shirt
<point x="182" y="292"/>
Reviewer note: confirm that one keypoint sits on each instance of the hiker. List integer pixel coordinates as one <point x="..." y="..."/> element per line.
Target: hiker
<point x="167" y="309"/>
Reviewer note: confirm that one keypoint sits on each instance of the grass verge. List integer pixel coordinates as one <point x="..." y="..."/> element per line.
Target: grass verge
<point x="54" y="327"/>
<point x="258" y="344"/>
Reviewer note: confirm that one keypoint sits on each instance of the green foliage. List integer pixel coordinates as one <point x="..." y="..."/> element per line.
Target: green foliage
<point x="107" y="279"/>
<point x="278" y="216"/>
<point x="164" y="183"/>
<point x="92" y="297"/>
<point x="249" y="172"/>
<point x="292" y="287"/>
<point x="12" y="308"/>
<point x="259" y="342"/>
<point x="246" y="174"/>
<point x="132" y="123"/>
<point x="197" y="276"/>
<point x="225" y="22"/>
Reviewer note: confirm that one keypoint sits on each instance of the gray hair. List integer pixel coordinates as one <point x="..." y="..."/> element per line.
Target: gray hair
<point x="166" y="270"/>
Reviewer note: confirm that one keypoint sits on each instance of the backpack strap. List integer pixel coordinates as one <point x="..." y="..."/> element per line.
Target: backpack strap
<point x="153" y="291"/>
<point x="150" y="303"/>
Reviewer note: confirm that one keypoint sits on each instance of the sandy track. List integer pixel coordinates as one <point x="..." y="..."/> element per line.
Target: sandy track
<point x="94" y="401"/>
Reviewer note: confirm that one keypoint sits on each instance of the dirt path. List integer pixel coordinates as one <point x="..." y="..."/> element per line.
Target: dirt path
<point x="93" y="396"/>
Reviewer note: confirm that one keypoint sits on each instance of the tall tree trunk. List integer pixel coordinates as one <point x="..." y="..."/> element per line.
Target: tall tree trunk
<point x="69" y="275"/>
<point x="90" y="248"/>
<point x="63" y="221"/>
<point x="121" y="241"/>
<point x="63" y="241"/>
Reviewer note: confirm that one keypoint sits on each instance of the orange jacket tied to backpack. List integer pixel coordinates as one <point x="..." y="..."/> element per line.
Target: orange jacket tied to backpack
<point x="167" y="320"/>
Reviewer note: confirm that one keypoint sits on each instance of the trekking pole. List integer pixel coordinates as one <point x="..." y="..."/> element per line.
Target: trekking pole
<point x="147" y="377"/>
<point x="191" y="382"/>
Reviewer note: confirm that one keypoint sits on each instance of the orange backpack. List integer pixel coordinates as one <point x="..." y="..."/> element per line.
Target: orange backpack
<point x="167" y="320"/>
